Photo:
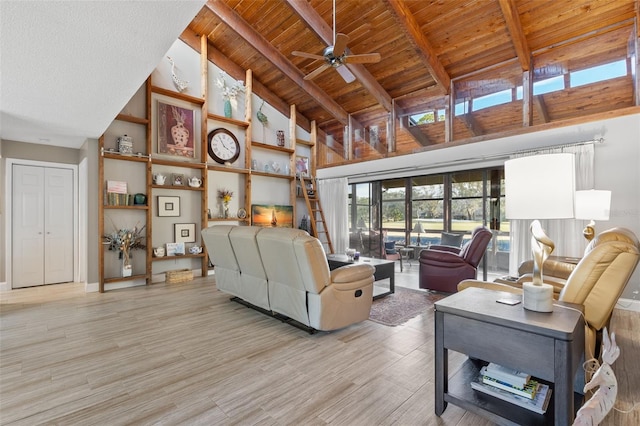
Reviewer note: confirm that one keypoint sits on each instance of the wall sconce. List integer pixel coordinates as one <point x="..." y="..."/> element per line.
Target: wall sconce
<point x="592" y="205"/>
<point x="539" y="187"/>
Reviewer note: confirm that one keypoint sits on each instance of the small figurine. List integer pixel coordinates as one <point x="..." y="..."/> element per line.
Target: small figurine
<point x="177" y="81"/>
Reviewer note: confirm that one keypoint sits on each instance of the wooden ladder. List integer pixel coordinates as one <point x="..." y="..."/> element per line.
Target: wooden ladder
<point x="316" y="215"/>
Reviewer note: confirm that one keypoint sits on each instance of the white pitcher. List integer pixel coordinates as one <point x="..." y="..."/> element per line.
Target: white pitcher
<point x="159" y="179"/>
<point x="195" y="182"/>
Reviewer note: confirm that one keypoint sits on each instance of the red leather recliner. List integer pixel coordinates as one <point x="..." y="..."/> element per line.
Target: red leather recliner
<point x="443" y="267"/>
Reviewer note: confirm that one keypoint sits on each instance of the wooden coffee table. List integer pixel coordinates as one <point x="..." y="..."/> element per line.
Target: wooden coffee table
<point x="384" y="269"/>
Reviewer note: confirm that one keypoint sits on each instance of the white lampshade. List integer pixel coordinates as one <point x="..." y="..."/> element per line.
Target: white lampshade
<point x="540" y="187"/>
<point x="417" y="228"/>
<point x="593" y="205"/>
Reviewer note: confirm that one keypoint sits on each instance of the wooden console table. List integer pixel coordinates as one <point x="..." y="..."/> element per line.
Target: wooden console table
<point x="549" y="346"/>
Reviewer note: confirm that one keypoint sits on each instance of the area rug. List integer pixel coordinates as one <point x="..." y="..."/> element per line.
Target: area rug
<point x="399" y="307"/>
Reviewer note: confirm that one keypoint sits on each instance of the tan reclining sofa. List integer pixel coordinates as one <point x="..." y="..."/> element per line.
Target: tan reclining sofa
<point x="285" y="272"/>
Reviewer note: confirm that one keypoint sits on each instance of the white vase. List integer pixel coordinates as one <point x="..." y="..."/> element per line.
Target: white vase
<point x="127" y="268"/>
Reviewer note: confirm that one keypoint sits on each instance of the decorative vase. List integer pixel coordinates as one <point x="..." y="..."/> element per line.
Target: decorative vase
<point x="227" y="108"/>
<point x="127" y="269"/>
<point x="226" y="210"/>
<point x="179" y="133"/>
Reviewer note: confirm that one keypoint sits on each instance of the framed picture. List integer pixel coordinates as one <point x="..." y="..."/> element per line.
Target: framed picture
<point x="272" y="216"/>
<point x="175" y="249"/>
<point x="168" y="206"/>
<point x="184" y="232"/>
<point x="176" y="133"/>
<point x="177" y="179"/>
<point x="302" y="166"/>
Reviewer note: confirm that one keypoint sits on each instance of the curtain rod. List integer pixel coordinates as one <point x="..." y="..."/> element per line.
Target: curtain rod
<point x="504" y="156"/>
<point x="563" y="145"/>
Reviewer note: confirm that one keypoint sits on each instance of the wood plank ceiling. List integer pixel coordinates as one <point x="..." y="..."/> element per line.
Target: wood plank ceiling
<point x="429" y="49"/>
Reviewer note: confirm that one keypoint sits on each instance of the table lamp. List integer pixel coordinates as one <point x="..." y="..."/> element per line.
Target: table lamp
<point x="539" y="187"/>
<point x="592" y="205"/>
<point x="417" y="228"/>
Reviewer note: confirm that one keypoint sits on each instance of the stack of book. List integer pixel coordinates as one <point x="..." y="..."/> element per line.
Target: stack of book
<point x="116" y="194"/>
<point x="513" y="386"/>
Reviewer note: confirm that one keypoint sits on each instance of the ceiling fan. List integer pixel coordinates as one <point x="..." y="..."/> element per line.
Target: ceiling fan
<point x="337" y="55"/>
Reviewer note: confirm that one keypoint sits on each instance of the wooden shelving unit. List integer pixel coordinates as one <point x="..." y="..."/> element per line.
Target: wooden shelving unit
<point x="201" y="166"/>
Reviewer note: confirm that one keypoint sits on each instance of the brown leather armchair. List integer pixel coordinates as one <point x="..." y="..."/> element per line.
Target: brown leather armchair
<point x="443" y="267"/>
<point x="596" y="282"/>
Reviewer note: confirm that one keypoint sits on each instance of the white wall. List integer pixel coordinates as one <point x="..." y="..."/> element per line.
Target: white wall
<point x="617" y="165"/>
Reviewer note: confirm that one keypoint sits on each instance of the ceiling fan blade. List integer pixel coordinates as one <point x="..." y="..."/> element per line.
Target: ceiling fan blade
<point x="316" y="72"/>
<point x="307" y="55"/>
<point x="366" y="58"/>
<point x="340" y="44"/>
<point x="346" y="75"/>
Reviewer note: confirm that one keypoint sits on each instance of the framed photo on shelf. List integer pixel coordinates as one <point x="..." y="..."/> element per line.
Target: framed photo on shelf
<point x="184" y="232"/>
<point x="177" y="179"/>
<point x="272" y="216"/>
<point x="168" y="206"/>
<point x="302" y="166"/>
<point x="175" y="249"/>
<point x="176" y="135"/>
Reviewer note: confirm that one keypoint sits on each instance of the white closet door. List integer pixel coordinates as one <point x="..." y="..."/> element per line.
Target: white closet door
<point x="58" y="225"/>
<point x="42" y="226"/>
<point x="27" y="226"/>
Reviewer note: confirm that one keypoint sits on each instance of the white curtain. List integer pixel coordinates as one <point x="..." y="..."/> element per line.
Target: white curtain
<point x="565" y="233"/>
<point x="333" y="198"/>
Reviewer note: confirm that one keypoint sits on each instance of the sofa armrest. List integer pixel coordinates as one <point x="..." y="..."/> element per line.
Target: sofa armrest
<point x="491" y="286"/>
<point x="443" y="258"/>
<point x="450" y="249"/>
<point x="350" y="273"/>
<point x="552" y="267"/>
<point x="557" y="283"/>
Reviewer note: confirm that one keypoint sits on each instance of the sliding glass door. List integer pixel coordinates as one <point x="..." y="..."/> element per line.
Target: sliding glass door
<point x="415" y="211"/>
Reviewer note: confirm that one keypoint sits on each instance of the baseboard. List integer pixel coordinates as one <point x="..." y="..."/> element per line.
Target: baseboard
<point x="4" y="286"/>
<point x="91" y="287"/>
<point x="628" y="305"/>
<point x="95" y="287"/>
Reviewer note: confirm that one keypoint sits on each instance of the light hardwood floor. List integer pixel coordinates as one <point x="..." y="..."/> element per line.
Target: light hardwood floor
<point x="185" y="354"/>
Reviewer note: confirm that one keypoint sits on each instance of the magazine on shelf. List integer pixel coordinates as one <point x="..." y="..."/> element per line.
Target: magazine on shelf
<point x="528" y="391"/>
<point x="538" y="404"/>
<point x="507" y="375"/>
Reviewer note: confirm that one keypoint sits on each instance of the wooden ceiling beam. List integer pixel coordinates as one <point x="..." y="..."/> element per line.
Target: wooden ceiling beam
<point x="510" y="13"/>
<point x="273" y="55"/>
<point x="315" y="22"/>
<point x="541" y="107"/>
<point x="410" y="26"/>
<point x="414" y="132"/>
<point x="237" y="72"/>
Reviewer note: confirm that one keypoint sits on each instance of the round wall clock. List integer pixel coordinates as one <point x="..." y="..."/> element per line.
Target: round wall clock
<point x="223" y="146"/>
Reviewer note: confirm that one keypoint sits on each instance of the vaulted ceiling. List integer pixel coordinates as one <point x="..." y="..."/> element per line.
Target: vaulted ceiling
<point x="67" y="70"/>
<point x="428" y="49"/>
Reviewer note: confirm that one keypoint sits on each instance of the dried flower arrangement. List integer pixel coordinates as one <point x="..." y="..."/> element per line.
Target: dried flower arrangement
<point x="225" y="195"/>
<point x="229" y="92"/>
<point x="125" y="240"/>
